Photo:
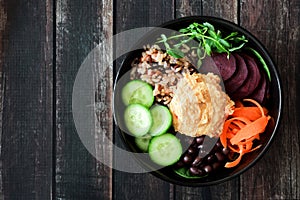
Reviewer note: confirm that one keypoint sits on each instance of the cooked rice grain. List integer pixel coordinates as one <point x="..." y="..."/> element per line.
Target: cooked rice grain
<point x="160" y="70"/>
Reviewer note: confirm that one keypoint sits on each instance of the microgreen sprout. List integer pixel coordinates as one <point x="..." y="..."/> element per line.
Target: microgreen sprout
<point x="209" y="39"/>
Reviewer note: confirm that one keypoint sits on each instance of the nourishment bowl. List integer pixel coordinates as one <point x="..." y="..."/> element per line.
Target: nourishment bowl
<point x="272" y="102"/>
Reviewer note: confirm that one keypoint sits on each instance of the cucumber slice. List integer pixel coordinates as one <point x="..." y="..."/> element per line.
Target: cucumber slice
<point x="137" y="119"/>
<point x="143" y="142"/>
<point x="162" y="120"/>
<point x="165" y="149"/>
<point x="137" y="91"/>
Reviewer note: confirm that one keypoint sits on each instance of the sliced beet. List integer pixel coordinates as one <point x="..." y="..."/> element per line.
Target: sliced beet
<point x="209" y="65"/>
<point x="255" y="67"/>
<point x="260" y="93"/>
<point x="239" y="76"/>
<point x="252" y="80"/>
<point x="220" y="65"/>
<point x="226" y="66"/>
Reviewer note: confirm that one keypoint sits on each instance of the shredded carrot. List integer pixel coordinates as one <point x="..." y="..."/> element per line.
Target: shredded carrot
<point x="235" y="162"/>
<point x="234" y="149"/>
<point x="243" y="127"/>
<point x="252" y="129"/>
<point x="257" y="104"/>
<point x="231" y="135"/>
<point x="239" y="124"/>
<point x="234" y="131"/>
<point x="238" y="104"/>
<point x="252" y="113"/>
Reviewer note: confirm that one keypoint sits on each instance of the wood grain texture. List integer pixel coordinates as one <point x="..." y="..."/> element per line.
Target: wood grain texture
<point x="26" y="63"/>
<point x="80" y="25"/>
<point x="226" y="9"/>
<point x="188" y="8"/>
<point x="2" y="86"/>
<point x="277" y="175"/>
<point x="3" y="40"/>
<point x="130" y="14"/>
<point x="103" y="96"/>
<point x="36" y="98"/>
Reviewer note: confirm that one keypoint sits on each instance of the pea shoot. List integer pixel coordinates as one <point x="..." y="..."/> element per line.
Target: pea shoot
<point x="208" y="38"/>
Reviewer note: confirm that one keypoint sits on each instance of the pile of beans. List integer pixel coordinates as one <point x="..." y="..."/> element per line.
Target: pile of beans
<point x="203" y="156"/>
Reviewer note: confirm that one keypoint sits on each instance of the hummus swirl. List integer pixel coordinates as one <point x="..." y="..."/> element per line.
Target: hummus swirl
<point x="199" y="105"/>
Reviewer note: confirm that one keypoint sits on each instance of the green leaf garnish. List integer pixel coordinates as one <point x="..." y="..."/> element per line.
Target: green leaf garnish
<point x="208" y="25"/>
<point x="224" y="43"/>
<point x="199" y="63"/>
<point x="260" y="58"/>
<point x="176" y="53"/>
<point x="209" y="39"/>
<point x="213" y="34"/>
<point x="236" y="48"/>
<point x="207" y="49"/>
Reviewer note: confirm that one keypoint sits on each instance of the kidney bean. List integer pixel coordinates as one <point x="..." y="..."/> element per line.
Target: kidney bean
<point x="197" y="161"/>
<point x="187" y="159"/>
<point x="191" y="150"/>
<point x="225" y="151"/>
<point x="194" y="170"/>
<point x="179" y="164"/>
<point x="220" y="156"/>
<point x="207" y="168"/>
<point x="210" y="158"/>
<point x="200" y="139"/>
<point x="216" y="165"/>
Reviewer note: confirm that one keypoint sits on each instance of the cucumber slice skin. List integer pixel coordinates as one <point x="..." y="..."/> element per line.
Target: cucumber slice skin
<point x="138" y="120"/>
<point x="143" y="142"/>
<point x="137" y="91"/>
<point x="162" y="120"/>
<point x="165" y="150"/>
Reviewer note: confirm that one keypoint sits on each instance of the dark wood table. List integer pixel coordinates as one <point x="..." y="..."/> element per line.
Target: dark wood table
<point x="44" y="42"/>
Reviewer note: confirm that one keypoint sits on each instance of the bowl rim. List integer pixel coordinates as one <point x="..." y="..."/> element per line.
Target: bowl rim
<point x="275" y="76"/>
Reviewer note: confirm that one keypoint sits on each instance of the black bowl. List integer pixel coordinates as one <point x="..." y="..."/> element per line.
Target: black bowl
<point x="273" y="104"/>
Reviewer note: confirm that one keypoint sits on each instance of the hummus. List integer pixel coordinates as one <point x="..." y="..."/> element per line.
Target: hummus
<point x="199" y="105"/>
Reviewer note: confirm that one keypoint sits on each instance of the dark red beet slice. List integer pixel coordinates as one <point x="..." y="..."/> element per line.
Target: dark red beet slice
<point x="239" y="76"/>
<point x="219" y="65"/>
<point x="251" y="81"/>
<point x="255" y="67"/>
<point x="260" y="93"/>
<point x="226" y="66"/>
<point x="209" y="65"/>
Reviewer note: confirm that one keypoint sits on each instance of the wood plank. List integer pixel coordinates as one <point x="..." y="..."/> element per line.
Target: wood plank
<point x="80" y="25"/>
<point x="227" y="190"/>
<point x="188" y="8"/>
<point x="227" y="10"/>
<point x="3" y="40"/>
<point x="26" y="69"/>
<point x="276" y="25"/>
<point x="128" y="15"/>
